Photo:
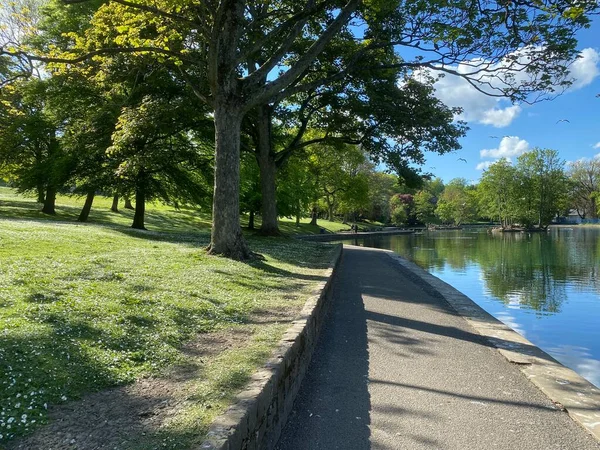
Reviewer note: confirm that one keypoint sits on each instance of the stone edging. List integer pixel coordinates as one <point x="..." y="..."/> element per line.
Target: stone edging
<point x="258" y="414"/>
<point x="344" y="236"/>
<point x="563" y="386"/>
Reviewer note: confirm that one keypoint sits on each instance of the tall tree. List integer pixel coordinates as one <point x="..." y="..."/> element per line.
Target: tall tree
<point x="584" y="176"/>
<point x="425" y="207"/>
<point x="543" y="186"/>
<point x="456" y="204"/>
<point x="498" y="193"/>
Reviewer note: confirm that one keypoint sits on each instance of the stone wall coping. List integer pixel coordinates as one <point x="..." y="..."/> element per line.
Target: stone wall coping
<point x="258" y="413"/>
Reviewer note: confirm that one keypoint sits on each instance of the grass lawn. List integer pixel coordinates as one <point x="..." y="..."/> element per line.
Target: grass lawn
<point x="84" y="307"/>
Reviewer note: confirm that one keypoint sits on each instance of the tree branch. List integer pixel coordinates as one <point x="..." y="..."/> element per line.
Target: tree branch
<point x="270" y="89"/>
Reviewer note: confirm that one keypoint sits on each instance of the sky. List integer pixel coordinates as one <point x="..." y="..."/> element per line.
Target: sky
<point x="500" y="129"/>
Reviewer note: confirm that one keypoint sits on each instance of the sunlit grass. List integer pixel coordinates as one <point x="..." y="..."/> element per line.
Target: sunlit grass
<point x="88" y="306"/>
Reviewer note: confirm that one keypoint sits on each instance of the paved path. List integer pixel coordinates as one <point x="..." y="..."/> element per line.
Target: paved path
<point x="396" y="368"/>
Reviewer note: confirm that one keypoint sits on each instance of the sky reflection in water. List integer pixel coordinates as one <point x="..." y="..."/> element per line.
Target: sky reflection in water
<point x="543" y="285"/>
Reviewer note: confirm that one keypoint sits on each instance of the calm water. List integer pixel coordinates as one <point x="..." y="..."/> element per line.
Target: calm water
<point x="543" y="285"/>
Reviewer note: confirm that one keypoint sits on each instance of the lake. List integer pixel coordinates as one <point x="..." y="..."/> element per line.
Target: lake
<point x="543" y="285"/>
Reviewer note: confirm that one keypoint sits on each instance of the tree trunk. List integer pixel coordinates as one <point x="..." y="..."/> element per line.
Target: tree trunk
<point x="50" y="201"/>
<point x="226" y="234"/>
<point x="87" y="206"/>
<point x="313" y="220"/>
<point x="268" y="168"/>
<point x="128" y="204"/>
<point x="115" y="203"/>
<point x="41" y="196"/>
<point x="140" y="206"/>
<point x="251" y="220"/>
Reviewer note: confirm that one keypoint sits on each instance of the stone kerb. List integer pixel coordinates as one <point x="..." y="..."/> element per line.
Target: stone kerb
<point x="567" y="389"/>
<point x="258" y="414"/>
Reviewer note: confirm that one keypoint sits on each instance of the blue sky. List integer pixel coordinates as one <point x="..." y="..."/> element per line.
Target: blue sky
<point x="522" y="127"/>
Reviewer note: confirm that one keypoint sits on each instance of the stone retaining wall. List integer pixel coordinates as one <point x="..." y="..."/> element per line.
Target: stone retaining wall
<point x="259" y="413"/>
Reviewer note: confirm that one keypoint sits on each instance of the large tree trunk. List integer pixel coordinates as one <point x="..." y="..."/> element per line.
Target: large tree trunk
<point x="226" y="234"/>
<point x="268" y="168"/>
<point x="115" y="203"/>
<point x="87" y="206"/>
<point x="128" y="204"/>
<point x="50" y="201"/>
<point x="140" y="206"/>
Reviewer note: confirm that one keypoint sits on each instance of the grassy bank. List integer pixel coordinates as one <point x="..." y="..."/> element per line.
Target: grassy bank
<point x="87" y="306"/>
<point x="159" y="217"/>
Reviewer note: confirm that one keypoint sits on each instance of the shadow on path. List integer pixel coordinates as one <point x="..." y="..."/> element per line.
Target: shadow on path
<point x="332" y="407"/>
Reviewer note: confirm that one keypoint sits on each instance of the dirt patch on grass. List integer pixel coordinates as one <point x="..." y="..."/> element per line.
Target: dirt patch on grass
<point x="119" y="418"/>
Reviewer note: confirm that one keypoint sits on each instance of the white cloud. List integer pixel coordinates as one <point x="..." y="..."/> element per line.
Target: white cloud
<point x="585" y="68"/>
<point x="509" y="146"/>
<point x="498" y="112"/>
<point x="500" y="117"/>
<point x="477" y="107"/>
<point x="596" y="145"/>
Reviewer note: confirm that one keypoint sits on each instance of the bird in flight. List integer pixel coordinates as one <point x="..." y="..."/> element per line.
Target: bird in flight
<point x="494" y="137"/>
<point x="462" y="159"/>
<point x="563" y="120"/>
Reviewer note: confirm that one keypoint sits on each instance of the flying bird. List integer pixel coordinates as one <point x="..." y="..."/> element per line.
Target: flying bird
<point x="494" y="137"/>
<point x="563" y="120"/>
<point x="462" y="159"/>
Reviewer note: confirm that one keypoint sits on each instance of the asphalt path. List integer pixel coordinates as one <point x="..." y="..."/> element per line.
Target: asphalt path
<point x="396" y="368"/>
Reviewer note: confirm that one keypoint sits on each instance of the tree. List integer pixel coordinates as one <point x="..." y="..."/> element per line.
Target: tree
<point x="160" y="155"/>
<point x="401" y="208"/>
<point x="250" y="198"/>
<point x="297" y="189"/>
<point x="338" y="172"/>
<point x="542" y="185"/>
<point x="425" y="207"/>
<point x="212" y="42"/>
<point x="382" y="186"/>
<point x="584" y="176"/>
<point x="497" y="193"/>
<point x="31" y="156"/>
<point x="457" y="203"/>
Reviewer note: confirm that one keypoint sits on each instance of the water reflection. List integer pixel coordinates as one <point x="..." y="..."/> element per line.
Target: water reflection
<point x="544" y="285"/>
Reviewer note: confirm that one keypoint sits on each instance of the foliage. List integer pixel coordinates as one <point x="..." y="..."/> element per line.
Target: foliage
<point x="382" y="186"/>
<point x="402" y="209"/>
<point x="30" y="154"/>
<point x="532" y="192"/>
<point x="584" y="178"/>
<point x="456" y="204"/>
<point x="425" y="207"/>
<point x="497" y="193"/>
<point x="542" y="187"/>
